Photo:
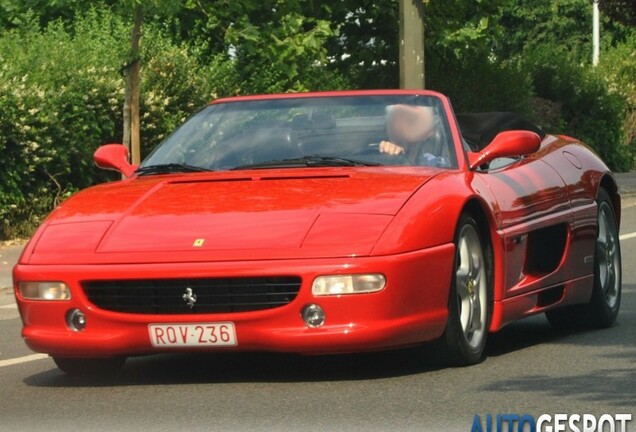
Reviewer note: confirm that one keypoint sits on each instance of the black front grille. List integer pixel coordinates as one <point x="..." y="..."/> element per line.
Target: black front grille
<point x="218" y="295"/>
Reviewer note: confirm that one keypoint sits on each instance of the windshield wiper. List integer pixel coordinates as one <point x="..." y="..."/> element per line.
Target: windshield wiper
<point x="169" y="168"/>
<point x="308" y="161"/>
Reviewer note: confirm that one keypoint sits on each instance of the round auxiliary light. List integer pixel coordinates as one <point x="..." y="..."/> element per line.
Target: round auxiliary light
<point x="313" y="315"/>
<point x="76" y="320"/>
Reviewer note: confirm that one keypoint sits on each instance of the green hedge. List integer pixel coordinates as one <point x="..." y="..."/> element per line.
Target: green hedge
<point x="61" y="96"/>
<point x="618" y="67"/>
<point x="478" y="84"/>
<point x="547" y="87"/>
<point x="589" y="109"/>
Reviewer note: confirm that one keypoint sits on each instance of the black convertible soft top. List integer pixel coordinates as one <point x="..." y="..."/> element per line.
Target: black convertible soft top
<point x="479" y="129"/>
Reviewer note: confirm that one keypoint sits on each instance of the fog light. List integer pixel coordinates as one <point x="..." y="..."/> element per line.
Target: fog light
<point x="348" y="284"/>
<point x="44" y="291"/>
<point x="76" y="320"/>
<point x="313" y="315"/>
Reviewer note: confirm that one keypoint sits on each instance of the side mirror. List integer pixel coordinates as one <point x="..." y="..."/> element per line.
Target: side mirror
<point x="506" y="144"/>
<point x="114" y="157"/>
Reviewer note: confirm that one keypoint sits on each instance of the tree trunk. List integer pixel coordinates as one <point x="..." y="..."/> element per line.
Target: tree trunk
<point x="131" y="136"/>
<point x="127" y="97"/>
<point x="135" y="70"/>
<point x="412" y="44"/>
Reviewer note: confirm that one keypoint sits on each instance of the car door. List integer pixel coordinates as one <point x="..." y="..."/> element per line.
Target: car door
<point x="533" y="216"/>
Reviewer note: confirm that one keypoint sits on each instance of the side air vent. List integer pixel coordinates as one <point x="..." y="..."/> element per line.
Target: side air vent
<point x="550" y="296"/>
<point x="546" y="247"/>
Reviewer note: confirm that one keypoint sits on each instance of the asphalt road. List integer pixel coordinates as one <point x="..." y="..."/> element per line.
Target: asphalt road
<point x="530" y="368"/>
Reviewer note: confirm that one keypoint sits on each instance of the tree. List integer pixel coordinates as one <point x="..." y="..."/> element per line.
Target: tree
<point x="411" y="44"/>
<point x="564" y="26"/>
<point x="132" y="76"/>
<point x="132" y="69"/>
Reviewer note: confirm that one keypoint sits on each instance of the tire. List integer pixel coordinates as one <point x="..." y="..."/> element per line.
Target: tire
<point x="568" y="318"/>
<point x="470" y="300"/>
<point x="602" y="310"/>
<point x="89" y="366"/>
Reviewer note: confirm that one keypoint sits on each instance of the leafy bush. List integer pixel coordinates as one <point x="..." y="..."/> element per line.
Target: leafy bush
<point x="618" y="67"/>
<point x="589" y="110"/>
<point x="61" y="96"/>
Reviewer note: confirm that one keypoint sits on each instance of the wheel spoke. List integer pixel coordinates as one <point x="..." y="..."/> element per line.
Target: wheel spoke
<point x="607" y="255"/>
<point x="611" y="247"/>
<point x="602" y="227"/>
<point x="462" y="290"/>
<point x="600" y="246"/>
<point x="610" y="287"/>
<point x="475" y="266"/>
<point x="462" y="275"/>
<point x="464" y="311"/>
<point x="464" y="257"/>
<point x="603" y="272"/>
<point x="475" y="323"/>
<point x="468" y="314"/>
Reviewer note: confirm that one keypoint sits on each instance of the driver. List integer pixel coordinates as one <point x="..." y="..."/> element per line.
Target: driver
<point x="411" y="130"/>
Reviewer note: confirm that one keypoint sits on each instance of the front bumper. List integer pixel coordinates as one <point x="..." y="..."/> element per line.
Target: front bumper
<point x="411" y="309"/>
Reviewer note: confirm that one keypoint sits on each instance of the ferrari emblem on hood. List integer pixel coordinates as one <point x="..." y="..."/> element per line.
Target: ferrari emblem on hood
<point x="198" y="242"/>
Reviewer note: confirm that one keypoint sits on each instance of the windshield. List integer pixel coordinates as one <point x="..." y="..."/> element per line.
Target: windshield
<point x="312" y="131"/>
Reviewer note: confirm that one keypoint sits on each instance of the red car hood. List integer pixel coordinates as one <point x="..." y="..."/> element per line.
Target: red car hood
<point x="272" y="214"/>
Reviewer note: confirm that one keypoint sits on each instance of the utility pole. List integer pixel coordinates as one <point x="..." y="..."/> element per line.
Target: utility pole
<point x="596" y="33"/>
<point x="412" y="44"/>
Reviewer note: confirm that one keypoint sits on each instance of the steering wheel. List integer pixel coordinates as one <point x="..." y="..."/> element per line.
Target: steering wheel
<point x="372" y="153"/>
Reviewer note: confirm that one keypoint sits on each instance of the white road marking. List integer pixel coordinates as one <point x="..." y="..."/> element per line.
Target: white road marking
<point x="25" y="359"/>
<point x="9" y="306"/>
<point x="628" y="236"/>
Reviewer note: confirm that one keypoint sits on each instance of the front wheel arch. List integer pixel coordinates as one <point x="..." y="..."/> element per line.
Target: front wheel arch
<point x="455" y="344"/>
<point x="608" y="184"/>
<point x="475" y="209"/>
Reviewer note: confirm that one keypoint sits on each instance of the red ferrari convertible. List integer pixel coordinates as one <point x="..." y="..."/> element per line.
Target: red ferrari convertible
<point x="325" y="223"/>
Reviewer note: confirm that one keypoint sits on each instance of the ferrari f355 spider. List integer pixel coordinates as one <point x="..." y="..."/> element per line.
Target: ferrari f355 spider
<point x="325" y="223"/>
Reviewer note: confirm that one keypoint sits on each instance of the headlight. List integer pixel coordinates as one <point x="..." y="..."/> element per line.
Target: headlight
<point x="44" y="291"/>
<point x="348" y="284"/>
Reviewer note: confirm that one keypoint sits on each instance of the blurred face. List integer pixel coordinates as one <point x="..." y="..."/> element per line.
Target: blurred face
<point x="407" y="124"/>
